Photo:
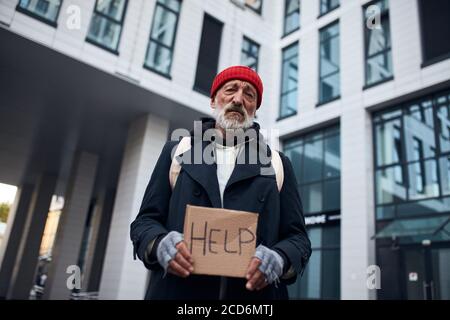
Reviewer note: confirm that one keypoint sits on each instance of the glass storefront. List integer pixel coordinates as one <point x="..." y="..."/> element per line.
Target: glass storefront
<point x="315" y="158"/>
<point x="413" y="158"/>
<point x="412" y="183"/>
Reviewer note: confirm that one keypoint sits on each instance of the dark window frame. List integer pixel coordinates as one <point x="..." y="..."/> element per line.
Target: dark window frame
<point x="287" y="15"/>
<point x="434" y="60"/>
<point x="248" y="53"/>
<point x="332" y="24"/>
<point x="206" y="15"/>
<point x="383" y="15"/>
<point x="321" y="14"/>
<point x="105" y="16"/>
<point x="405" y="163"/>
<point x="39" y="17"/>
<point x="283" y="93"/>
<point x="158" y="43"/>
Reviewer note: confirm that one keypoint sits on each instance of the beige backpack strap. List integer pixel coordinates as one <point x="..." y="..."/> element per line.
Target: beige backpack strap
<point x="175" y="167"/>
<point x="185" y="145"/>
<point x="277" y="165"/>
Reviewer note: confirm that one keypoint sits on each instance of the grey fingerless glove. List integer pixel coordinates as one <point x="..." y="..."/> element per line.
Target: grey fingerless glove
<point x="271" y="263"/>
<point x="167" y="248"/>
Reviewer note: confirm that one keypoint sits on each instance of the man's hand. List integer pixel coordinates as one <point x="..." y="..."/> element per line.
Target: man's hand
<point x="182" y="264"/>
<point x="173" y="255"/>
<point x="265" y="268"/>
<point x="256" y="279"/>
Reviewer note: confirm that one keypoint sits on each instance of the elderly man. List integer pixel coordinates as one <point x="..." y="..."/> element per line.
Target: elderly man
<point x="283" y="248"/>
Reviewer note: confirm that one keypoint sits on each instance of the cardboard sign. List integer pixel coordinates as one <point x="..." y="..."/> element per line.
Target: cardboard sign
<point x="221" y="241"/>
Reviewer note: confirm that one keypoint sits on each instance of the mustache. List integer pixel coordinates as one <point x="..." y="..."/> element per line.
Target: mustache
<point x="235" y="107"/>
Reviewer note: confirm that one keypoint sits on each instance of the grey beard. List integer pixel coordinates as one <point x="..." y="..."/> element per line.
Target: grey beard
<point x="231" y="124"/>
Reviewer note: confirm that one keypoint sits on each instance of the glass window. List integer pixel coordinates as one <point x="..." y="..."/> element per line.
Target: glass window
<point x="250" y="53"/>
<point x="106" y="23"/>
<point x="255" y="5"/>
<point x="291" y="16"/>
<point x="329" y="84"/>
<point x="378" y="54"/>
<point x="162" y="36"/>
<point x="315" y="158"/>
<point x="443" y="119"/>
<point x="208" y="55"/>
<point x="295" y="154"/>
<point x="328" y="5"/>
<point x="45" y="10"/>
<point x="390" y="186"/>
<point x="435" y="27"/>
<point x="412" y="170"/>
<point x="332" y="195"/>
<point x="321" y="279"/>
<point x="332" y="157"/>
<point x="313" y="166"/>
<point x="289" y="81"/>
<point x="389" y="147"/>
<point x="312" y="197"/>
<point x="444" y="169"/>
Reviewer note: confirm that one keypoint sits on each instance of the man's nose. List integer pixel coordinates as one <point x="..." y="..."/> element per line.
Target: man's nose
<point x="238" y="97"/>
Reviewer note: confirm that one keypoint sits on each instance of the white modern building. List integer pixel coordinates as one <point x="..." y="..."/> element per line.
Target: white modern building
<point x="358" y="92"/>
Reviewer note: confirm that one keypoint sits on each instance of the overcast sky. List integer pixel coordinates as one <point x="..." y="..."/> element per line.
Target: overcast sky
<point x="7" y="193"/>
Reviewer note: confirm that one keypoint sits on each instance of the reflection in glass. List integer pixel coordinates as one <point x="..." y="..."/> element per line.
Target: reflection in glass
<point x="112" y="8"/>
<point x="331" y="195"/>
<point x="443" y="118"/>
<point x="329" y="84"/>
<point x="444" y="169"/>
<point x="321" y="279"/>
<point x="312" y="170"/>
<point x="291" y="16"/>
<point x="46" y="9"/>
<point x="423" y="180"/>
<point x="412" y="158"/>
<point x="106" y="23"/>
<point x="312" y="198"/>
<point x="332" y="157"/>
<point x="315" y="158"/>
<point x="162" y="36"/>
<point x="389" y="185"/>
<point x="289" y="81"/>
<point x="378" y="47"/>
<point x="328" y="5"/>
<point x="389" y="148"/>
<point x="250" y="53"/>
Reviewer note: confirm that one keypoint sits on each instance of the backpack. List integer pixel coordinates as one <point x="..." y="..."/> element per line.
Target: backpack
<point x="185" y="145"/>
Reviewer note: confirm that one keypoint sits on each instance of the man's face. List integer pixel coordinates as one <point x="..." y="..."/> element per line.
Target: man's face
<point x="235" y="104"/>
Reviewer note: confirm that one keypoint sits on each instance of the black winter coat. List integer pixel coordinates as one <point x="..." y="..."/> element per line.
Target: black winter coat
<point x="281" y="225"/>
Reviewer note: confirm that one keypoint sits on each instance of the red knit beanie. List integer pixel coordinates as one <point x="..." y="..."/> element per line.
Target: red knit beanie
<point x="238" y="73"/>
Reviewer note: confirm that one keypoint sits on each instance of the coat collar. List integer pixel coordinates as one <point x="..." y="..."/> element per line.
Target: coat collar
<point x="199" y="162"/>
